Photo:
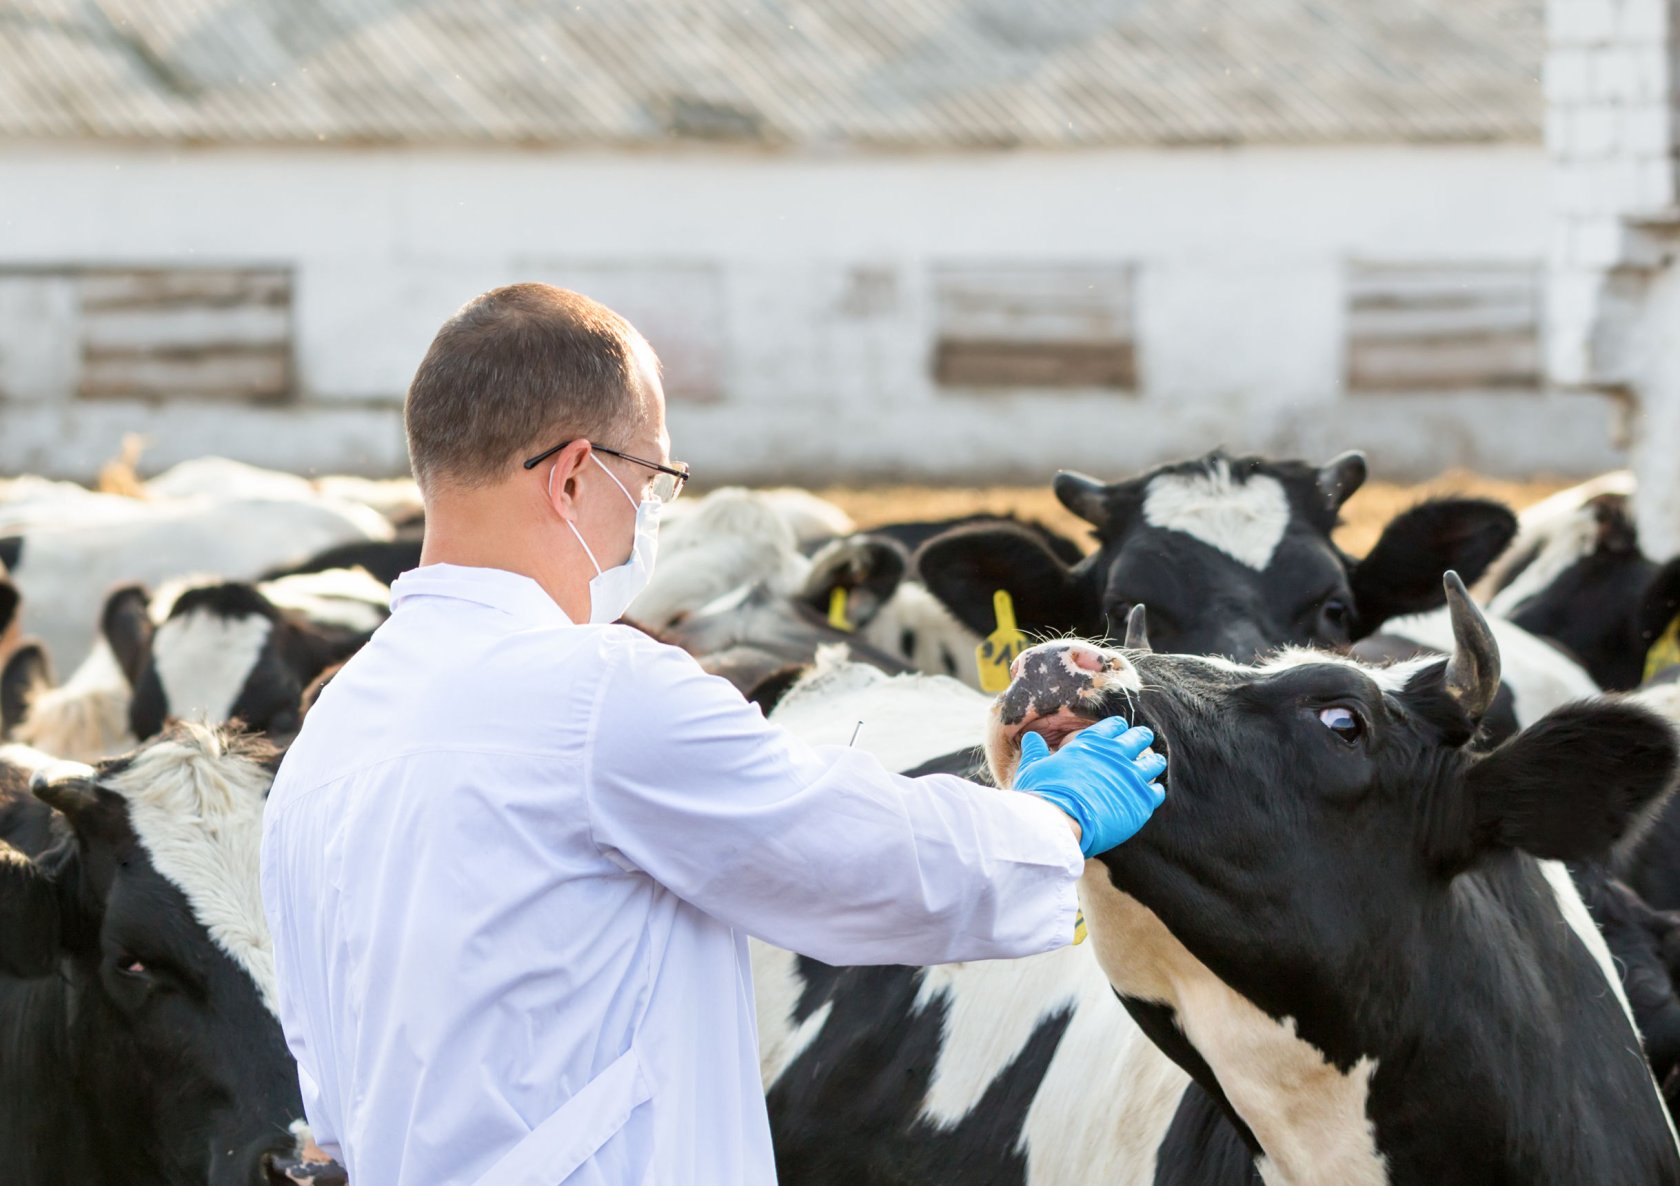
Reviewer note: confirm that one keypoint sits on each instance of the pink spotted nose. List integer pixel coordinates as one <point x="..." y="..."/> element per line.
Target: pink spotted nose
<point x="1080" y="655"/>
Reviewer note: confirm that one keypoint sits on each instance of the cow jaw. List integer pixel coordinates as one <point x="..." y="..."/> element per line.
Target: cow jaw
<point x="1310" y="1118"/>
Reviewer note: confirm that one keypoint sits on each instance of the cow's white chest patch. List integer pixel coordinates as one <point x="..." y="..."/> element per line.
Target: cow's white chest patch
<point x="204" y="659"/>
<point x="1311" y="1119"/>
<point x="1244" y="519"/>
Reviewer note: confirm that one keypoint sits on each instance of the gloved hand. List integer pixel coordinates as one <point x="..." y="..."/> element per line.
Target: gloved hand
<point x="1098" y="778"/>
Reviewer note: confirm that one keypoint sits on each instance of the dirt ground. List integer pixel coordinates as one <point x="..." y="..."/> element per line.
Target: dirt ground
<point x="1363" y="517"/>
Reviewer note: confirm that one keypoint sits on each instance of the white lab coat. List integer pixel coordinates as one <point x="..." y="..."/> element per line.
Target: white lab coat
<point x="510" y="866"/>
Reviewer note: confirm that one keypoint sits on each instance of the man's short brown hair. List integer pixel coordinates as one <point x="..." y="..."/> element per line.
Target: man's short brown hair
<point x="514" y="371"/>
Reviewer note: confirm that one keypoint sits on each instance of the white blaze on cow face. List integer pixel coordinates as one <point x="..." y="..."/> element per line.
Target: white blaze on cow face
<point x="197" y="810"/>
<point x="1245" y="519"/>
<point x="1311" y="1118"/>
<point x="203" y="660"/>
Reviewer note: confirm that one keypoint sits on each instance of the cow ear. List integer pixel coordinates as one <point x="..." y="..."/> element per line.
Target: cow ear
<point x="868" y="568"/>
<point x="1402" y="573"/>
<point x="27" y="674"/>
<point x="127" y="627"/>
<point x="1340" y="477"/>
<point x="29" y="916"/>
<point x="964" y="568"/>
<point x="1085" y="497"/>
<point x="1569" y="786"/>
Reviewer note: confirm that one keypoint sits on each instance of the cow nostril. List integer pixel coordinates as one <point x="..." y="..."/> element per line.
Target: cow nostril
<point x="1085" y="658"/>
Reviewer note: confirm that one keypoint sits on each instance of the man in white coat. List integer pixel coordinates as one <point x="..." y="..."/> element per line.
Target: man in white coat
<point x="511" y="862"/>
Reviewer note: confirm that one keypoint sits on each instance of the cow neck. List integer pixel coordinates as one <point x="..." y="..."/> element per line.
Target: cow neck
<point x="48" y="1138"/>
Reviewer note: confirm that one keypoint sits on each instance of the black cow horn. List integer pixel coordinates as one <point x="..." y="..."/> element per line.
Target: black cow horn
<point x="1473" y="670"/>
<point x="1137" y="629"/>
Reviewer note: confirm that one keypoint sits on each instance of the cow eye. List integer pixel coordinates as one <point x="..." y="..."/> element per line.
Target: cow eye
<point x="1343" y="722"/>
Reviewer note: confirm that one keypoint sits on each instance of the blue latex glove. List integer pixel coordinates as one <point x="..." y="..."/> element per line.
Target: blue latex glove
<point x="1098" y="778"/>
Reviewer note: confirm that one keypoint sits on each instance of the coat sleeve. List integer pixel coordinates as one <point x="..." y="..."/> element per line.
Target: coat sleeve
<point x="819" y="850"/>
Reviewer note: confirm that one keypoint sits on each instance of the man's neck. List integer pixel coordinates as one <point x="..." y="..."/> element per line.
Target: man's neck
<point x="490" y="541"/>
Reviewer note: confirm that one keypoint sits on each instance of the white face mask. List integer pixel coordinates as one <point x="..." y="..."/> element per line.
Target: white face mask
<point x="612" y="591"/>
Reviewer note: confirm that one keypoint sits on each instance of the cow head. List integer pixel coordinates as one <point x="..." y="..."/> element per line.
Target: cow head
<point x="1585" y="584"/>
<point x="224" y="652"/>
<point x="1335" y="919"/>
<point x="1233" y="556"/>
<point x="143" y="924"/>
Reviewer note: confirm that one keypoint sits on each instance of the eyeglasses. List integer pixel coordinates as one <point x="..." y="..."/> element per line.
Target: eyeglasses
<point x="668" y="481"/>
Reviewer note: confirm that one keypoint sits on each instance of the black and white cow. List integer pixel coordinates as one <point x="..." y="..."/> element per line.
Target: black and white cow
<point x="884" y="616"/>
<point x="213" y="651"/>
<point x="138" y="1041"/>
<point x="1233" y="556"/>
<point x="1357" y="937"/>
<point x="987" y="1072"/>
<point x="1581" y="580"/>
<point x="64" y="566"/>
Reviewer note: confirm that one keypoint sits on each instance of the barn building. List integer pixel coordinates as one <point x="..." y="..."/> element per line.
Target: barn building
<point x="957" y="239"/>
<point x="1612" y="131"/>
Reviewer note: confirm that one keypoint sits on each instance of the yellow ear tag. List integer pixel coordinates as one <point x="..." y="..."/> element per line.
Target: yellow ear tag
<point x="1665" y="652"/>
<point x="837" y="609"/>
<point x="1079" y="931"/>
<point x="1001" y="646"/>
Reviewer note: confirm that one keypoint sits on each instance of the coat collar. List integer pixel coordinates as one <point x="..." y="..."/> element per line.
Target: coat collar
<point x="516" y="595"/>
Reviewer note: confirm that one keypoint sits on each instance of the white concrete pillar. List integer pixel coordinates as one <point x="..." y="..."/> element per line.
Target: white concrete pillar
<point x="1613" y="316"/>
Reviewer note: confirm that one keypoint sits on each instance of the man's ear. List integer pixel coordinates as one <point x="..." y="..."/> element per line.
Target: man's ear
<point x="867" y="567"/>
<point x="558" y="475"/>
<point x="1402" y="573"/>
<point x="29" y="916"/>
<point x="963" y="569"/>
<point x="1570" y="785"/>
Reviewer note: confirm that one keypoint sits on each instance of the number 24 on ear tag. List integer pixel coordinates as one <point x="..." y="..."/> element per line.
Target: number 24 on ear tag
<point x="1001" y="646"/>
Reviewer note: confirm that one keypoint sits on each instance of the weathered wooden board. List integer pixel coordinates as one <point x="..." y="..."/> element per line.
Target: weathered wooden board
<point x="1034" y="326"/>
<point x="1441" y="327"/>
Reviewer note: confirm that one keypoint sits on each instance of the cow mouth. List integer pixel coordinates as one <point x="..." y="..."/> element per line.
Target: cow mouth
<point x="1055" y="727"/>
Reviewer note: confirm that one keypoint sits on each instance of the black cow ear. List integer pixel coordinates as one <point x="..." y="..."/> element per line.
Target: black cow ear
<point x="867" y="567"/>
<point x="1402" y="573"/>
<point x="1569" y="786"/>
<point x="965" y="567"/>
<point x="10" y="601"/>
<point x="1340" y="477"/>
<point x="29" y="916"/>
<point x="28" y="673"/>
<point x="1085" y="497"/>
<point x="127" y="627"/>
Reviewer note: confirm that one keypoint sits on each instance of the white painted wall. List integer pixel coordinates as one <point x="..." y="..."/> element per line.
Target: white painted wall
<point x="1239" y="256"/>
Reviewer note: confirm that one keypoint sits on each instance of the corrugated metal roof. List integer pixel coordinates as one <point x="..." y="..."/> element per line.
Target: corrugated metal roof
<point x="895" y="74"/>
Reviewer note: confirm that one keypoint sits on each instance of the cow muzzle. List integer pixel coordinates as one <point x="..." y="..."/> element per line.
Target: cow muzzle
<point x="1055" y="690"/>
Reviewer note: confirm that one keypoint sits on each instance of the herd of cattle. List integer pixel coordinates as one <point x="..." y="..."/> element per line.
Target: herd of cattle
<point x="1410" y="913"/>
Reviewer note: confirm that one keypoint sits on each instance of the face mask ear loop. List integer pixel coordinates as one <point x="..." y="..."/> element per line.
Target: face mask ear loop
<point x="569" y="523"/>
<point x="623" y="489"/>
